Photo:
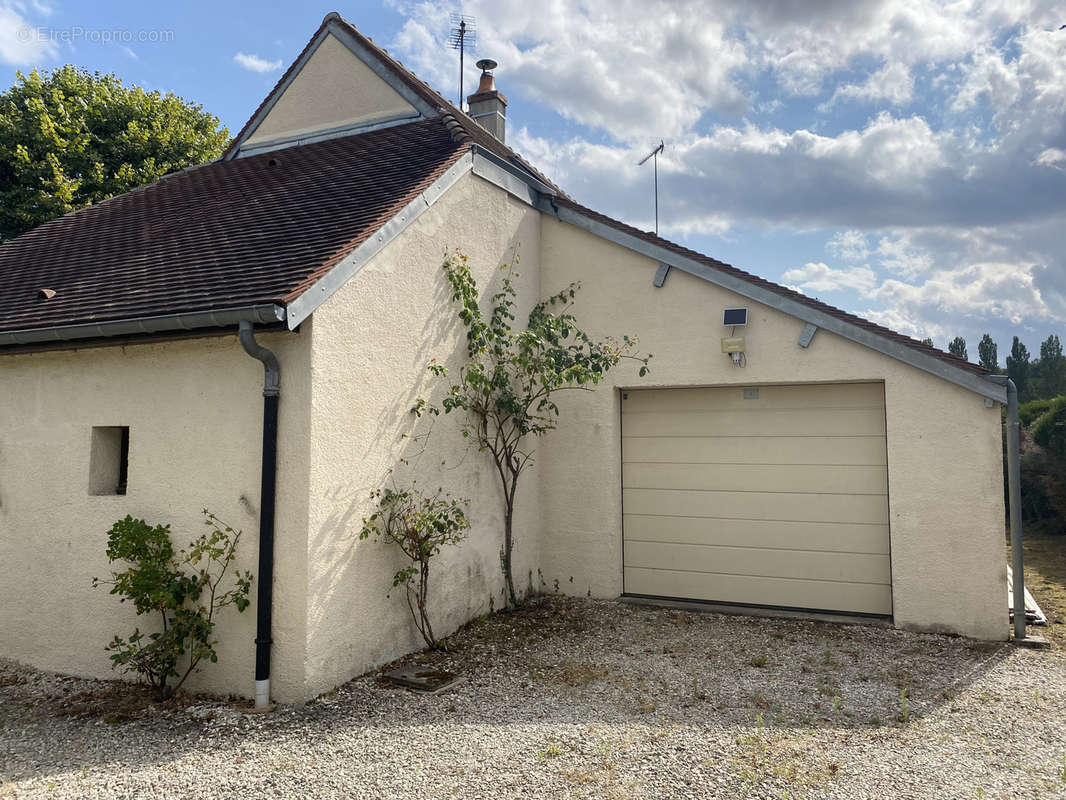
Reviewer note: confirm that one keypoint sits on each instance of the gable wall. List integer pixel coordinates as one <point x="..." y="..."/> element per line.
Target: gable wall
<point x="334" y="88"/>
<point x="945" y="468"/>
<point x="194" y="409"/>
<point x="372" y="342"/>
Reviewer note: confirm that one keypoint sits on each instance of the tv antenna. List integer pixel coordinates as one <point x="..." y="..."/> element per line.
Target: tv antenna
<point x="463" y="35"/>
<point x="655" y="155"/>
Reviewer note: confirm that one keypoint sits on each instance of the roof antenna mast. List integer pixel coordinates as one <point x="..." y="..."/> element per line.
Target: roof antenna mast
<point x="655" y="154"/>
<point x="463" y="35"/>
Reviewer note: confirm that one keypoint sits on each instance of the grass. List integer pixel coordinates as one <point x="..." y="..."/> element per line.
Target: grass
<point x="1045" y="577"/>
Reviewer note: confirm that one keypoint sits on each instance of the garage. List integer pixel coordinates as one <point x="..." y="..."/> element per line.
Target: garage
<point x="773" y="495"/>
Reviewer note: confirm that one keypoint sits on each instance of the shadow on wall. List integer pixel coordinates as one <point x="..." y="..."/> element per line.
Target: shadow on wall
<point x="353" y="577"/>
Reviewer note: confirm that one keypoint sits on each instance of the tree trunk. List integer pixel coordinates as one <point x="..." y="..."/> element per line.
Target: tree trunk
<point x="508" y="546"/>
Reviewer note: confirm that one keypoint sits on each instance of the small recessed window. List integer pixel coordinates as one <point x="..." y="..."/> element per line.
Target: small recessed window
<point x="109" y="459"/>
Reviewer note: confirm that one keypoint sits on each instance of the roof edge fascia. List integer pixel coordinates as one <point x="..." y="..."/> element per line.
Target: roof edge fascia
<point x="331" y="25"/>
<point x="901" y="352"/>
<point x="261" y="314"/>
<point x="511" y="178"/>
<point x="329" y="133"/>
<point x="301" y="307"/>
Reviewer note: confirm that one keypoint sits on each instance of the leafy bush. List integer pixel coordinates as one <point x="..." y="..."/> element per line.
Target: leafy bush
<point x="420" y="526"/>
<point x="183" y="589"/>
<point x="1029" y="412"/>
<point x="1050" y="429"/>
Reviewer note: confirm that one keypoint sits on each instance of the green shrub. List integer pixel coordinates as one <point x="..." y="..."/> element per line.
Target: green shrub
<point x="1029" y="412"/>
<point x="1050" y="429"/>
<point x="420" y="526"/>
<point x="183" y="589"/>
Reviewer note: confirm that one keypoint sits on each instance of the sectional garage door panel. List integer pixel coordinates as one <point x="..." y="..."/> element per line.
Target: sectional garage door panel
<point x="854" y="598"/>
<point x="837" y="450"/>
<point x="777" y="500"/>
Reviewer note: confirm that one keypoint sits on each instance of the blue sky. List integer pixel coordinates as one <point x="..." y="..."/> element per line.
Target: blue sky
<point x="902" y="159"/>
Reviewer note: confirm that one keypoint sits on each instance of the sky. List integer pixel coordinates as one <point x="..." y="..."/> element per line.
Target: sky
<point x="902" y="159"/>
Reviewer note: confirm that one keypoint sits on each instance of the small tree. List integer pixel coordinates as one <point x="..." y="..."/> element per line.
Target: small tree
<point x="1018" y="368"/>
<point x="182" y="589"/>
<point x="1052" y="367"/>
<point x="957" y="347"/>
<point x="927" y="341"/>
<point x="508" y="384"/>
<point x="420" y="526"/>
<point x="988" y="353"/>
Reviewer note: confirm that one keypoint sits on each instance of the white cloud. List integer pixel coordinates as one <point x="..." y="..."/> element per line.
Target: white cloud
<point x="900" y="255"/>
<point x="850" y="246"/>
<point x="256" y="63"/>
<point x="984" y="290"/>
<point x="944" y="216"/>
<point x="892" y="83"/>
<point x="820" y="277"/>
<point x="1052" y="157"/>
<point x="21" y="42"/>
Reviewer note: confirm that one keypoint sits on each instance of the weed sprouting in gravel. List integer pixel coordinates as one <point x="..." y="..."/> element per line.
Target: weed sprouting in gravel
<point x="904" y="707"/>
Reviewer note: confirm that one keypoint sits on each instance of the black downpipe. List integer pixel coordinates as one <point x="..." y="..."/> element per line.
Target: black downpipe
<point x="267" y="497"/>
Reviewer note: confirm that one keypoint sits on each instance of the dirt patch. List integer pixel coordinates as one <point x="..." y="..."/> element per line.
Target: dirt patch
<point x="1045" y="577"/>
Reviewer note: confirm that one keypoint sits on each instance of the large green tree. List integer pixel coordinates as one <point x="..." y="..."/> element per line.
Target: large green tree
<point x="1018" y="368"/>
<point x="988" y="353"/>
<point x="69" y="138"/>
<point x="1052" y="367"/>
<point x="957" y="347"/>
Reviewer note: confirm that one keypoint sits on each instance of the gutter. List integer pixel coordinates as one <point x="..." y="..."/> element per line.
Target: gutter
<point x="1014" y="499"/>
<point x="267" y="501"/>
<point x="261" y="314"/>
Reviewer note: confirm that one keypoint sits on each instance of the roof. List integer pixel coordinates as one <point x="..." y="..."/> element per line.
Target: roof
<point x="224" y="235"/>
<point x="264" y="228"/>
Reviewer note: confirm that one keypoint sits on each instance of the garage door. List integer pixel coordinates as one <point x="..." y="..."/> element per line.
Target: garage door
<point x="775" y="496"/>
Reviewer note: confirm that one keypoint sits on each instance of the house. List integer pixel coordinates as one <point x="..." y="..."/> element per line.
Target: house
<point x="825" y="464"/>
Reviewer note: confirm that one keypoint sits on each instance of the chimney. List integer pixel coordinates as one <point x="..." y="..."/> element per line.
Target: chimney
<point x="486" y="105"/>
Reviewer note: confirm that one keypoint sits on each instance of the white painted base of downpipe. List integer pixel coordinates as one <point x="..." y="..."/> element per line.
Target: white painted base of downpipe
<point x="262" y="693"/>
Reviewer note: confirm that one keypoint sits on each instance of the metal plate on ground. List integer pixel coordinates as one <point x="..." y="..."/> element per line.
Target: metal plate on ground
<point x="424" y="679"/>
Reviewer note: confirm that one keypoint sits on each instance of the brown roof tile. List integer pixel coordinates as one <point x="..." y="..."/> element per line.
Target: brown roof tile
<point x="224" y="235"/>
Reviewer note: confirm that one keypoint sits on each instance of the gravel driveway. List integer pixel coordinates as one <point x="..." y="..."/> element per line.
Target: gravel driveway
<point x="583" y="698"/>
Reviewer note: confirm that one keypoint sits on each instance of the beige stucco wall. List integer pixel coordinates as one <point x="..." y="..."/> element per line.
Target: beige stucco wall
<point x="372" y="341"/>
<point x="194" y="409"/>
<point x="334" y="88"/>
<point x="944" y="456"/>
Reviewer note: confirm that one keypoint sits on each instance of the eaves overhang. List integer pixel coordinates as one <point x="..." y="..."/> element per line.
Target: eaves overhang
<point x="262" y="314"/>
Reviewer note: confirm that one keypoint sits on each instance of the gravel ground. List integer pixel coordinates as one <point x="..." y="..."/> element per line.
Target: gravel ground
<point x="582" y="698"/>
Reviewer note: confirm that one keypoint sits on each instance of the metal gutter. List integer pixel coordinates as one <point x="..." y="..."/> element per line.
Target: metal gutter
<point x="734" y="283"/>
<point x="263" y="314"/>
<point x="300" y="308"/>
<point x="264" y="605"/>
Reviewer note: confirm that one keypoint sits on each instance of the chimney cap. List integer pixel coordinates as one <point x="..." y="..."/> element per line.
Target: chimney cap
<point x="486" y="64"/>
